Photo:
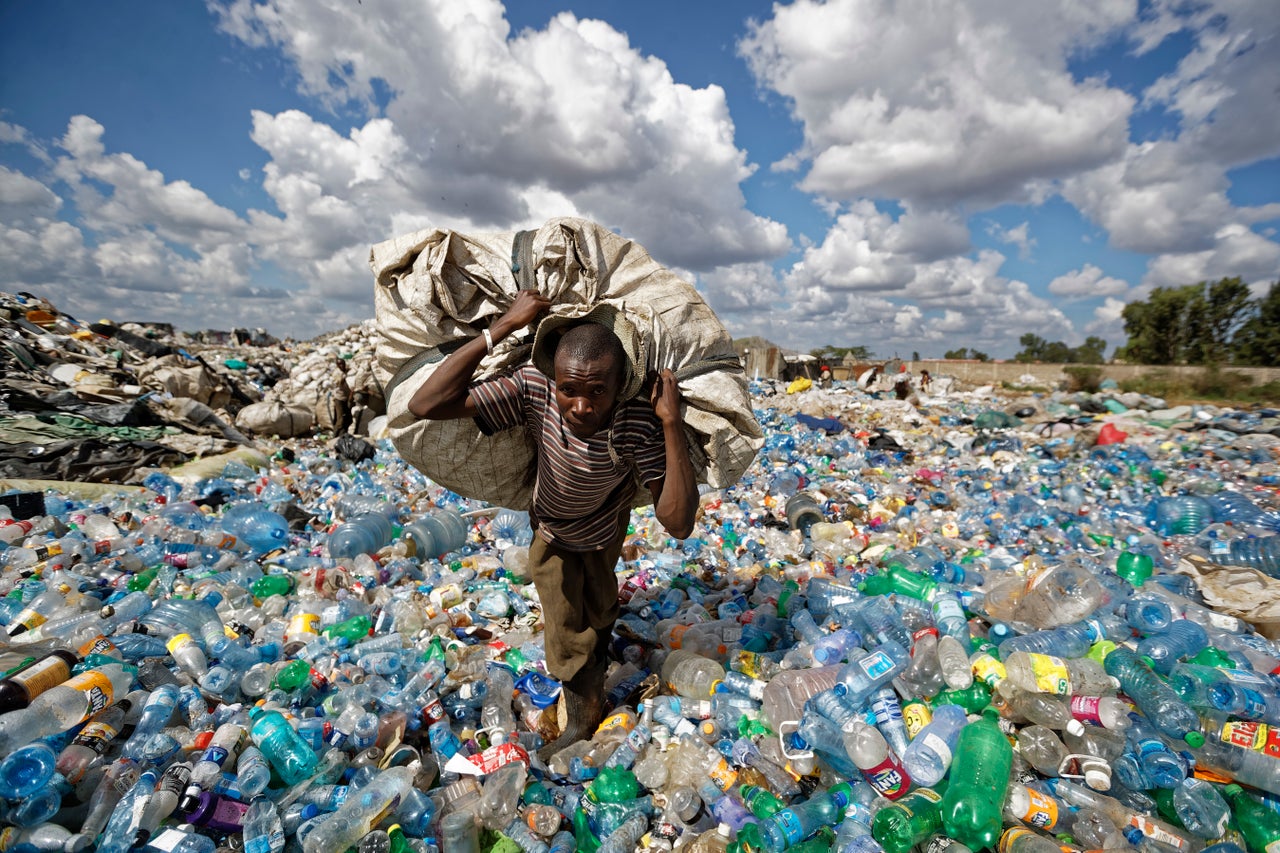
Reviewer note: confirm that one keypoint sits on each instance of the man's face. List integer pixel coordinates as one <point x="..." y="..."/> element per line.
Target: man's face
<point x="586" y="392"/>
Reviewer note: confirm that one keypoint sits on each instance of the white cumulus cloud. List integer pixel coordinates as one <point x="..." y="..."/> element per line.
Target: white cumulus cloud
<point x="1087" y="281"/>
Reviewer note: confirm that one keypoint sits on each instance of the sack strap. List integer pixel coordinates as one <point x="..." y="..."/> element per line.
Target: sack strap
<point x="728" y="361"/>
<point x="430" y="355"/>
<point x="522" y="265"/>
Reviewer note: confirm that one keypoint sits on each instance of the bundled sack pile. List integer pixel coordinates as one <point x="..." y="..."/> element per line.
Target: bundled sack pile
<point x="437" y="288"/>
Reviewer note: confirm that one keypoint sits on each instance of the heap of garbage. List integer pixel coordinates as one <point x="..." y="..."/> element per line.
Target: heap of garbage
<point x="944" y="622"/>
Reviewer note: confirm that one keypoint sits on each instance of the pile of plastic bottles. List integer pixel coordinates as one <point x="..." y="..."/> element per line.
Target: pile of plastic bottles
<point x="960" y="638"/>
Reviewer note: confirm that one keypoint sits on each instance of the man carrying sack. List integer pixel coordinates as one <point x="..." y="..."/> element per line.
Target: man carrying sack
<point x="596" y="438"/>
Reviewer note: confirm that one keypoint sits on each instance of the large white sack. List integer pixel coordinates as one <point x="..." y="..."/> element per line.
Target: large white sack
<point x="438" y="287"/>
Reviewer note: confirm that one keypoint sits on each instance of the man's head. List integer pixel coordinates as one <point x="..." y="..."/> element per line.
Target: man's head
<point x="589" y="369"/>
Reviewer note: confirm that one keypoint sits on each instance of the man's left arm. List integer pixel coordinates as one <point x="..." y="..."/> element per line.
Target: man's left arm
<point x="675" y="494"/>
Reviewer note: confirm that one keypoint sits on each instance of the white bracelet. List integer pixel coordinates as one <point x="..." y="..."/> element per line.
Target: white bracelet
<point x="488" y="341"/>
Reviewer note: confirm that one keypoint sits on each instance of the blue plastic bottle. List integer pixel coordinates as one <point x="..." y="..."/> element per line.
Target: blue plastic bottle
<point x="1157" y="701"/>
<point x="1182" y="639"/>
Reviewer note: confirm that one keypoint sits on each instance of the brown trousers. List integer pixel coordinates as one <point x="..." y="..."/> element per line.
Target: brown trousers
<point x="579" y="595"/>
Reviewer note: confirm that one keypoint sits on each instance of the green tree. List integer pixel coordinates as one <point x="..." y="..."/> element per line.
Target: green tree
<point x="1159" y="329"/>
<point x="966" y="353"/>
<point x="1092" y="351"/>
<point x="1032" y="348"/>
<point x="1257" y="341"/>
<point x="834" y="353"/>
<point x="1224" y="307"/>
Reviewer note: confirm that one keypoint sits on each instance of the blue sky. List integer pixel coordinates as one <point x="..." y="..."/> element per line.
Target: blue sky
<point x="911" y="176"/>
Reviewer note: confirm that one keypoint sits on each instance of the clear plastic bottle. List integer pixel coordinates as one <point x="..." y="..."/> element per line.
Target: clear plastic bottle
<point x="929" y="754"/>
<point x="69" y="704"/>
<point x="792" y="825"/>
<point x="690" y="674"/>
<point x="1154" y="698"/>
<point x="263" y="831"/>
<point x="90" y="744"/>
<point x="870" y="752"/>
<point x="1040" y="673"/>
<point x="363" y="534"/>
<point x="1042" y="749"/>
<point x="867" y="672"/>
<point x="953" y="661"/>
<point x="1182" y="639"/>
<point x="1201" y="808"/>
<point x="361" y="811"/>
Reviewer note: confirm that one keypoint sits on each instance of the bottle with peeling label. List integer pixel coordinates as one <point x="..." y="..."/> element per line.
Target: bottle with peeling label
<point x="89" y="745"/>
<point x="69" y="704"/>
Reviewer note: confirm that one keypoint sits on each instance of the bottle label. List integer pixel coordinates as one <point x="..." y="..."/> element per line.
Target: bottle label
<point x="938" y="745"/>
<point x="177" y="641"/>
<point x="1051" y="674"/>
<point x="1153" y="830"/>
<point x="1085" y="709"/>
<point x="99" y="645"/>
<point x="916" y="715"/>
<point x="722" y="775"/>
<point x="95" y="736"/>
<point x="789" y="822"/>
<point x="1011" y="836"/>
<point x="96" y="688"/>
<point x="1250" y="734"/>
<point x="303" y="623"/>
<point x="988" y="670"/>
<point x="42" y="675"/>
<point x="876" y="664"/>
<point x="1041" y="811"/>
<point x="888" y="778"/>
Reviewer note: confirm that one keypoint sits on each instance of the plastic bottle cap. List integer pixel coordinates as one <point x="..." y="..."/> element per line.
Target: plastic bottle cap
<point x="1075" y="727"/>
<point x="1194" y="739"/>
<point x="1098" y="777"/>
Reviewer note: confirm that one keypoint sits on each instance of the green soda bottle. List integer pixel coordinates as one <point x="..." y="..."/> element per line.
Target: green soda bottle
<point x="269" y="585"/>
<point x="904" y="823"/>
<point x="761" y="802"/>
<point x="1259" y="825"/>
<point x="292" y="676"/>
<point x="971" y="808"/>
<point x="353" y="630"/>
<point x="973" y="698"/>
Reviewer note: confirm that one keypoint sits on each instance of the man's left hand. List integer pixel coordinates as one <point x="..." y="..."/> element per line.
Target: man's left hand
<point x="665" y="397"/>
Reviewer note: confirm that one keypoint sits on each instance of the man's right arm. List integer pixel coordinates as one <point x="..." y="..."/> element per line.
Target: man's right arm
<point x="445" y="395"/>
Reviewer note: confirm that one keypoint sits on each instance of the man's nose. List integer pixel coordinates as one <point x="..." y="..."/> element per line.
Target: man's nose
<point x="581" y="406"/>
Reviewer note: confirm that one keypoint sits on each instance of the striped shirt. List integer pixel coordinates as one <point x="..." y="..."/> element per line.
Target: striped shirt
<point x="581" y="488"/>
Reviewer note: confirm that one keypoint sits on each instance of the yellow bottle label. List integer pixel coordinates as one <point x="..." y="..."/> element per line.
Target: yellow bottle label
<point x="988" y="670"/>
<point x="177" y="641"/>
<point x="1051" y="674"/>
<point x="722" y="775"/>
<point x="1011" y="835"/>
<point x="29" y="619"/>
<point x="97" y="690"/>
<point x="304" y="623"/>
<point x="915" y="716"/>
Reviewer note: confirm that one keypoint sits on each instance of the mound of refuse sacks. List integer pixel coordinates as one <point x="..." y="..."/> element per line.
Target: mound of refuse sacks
<point x="962" y="621"/>
<point x="98" y="401"/>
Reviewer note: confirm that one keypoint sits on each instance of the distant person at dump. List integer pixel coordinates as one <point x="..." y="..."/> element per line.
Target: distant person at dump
<point x="583" y="492"/>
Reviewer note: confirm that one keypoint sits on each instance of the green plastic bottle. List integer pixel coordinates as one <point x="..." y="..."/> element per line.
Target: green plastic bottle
<point x="269" y="585"/>
<point x="353" y="630"/>
<point x="762" y="802"/>
<point x="971" y="808"/>
<point x="1259" y="825"/>
<point x="902" y="824"/>
<point x="973" y="698"/>
<point x="292" y="676"/>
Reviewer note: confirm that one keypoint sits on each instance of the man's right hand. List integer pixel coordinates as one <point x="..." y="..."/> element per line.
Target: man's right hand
<point x="524" y="310"/>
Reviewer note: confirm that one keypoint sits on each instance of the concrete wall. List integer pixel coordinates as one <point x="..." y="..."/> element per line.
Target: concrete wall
<point x="996" y="372"/>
